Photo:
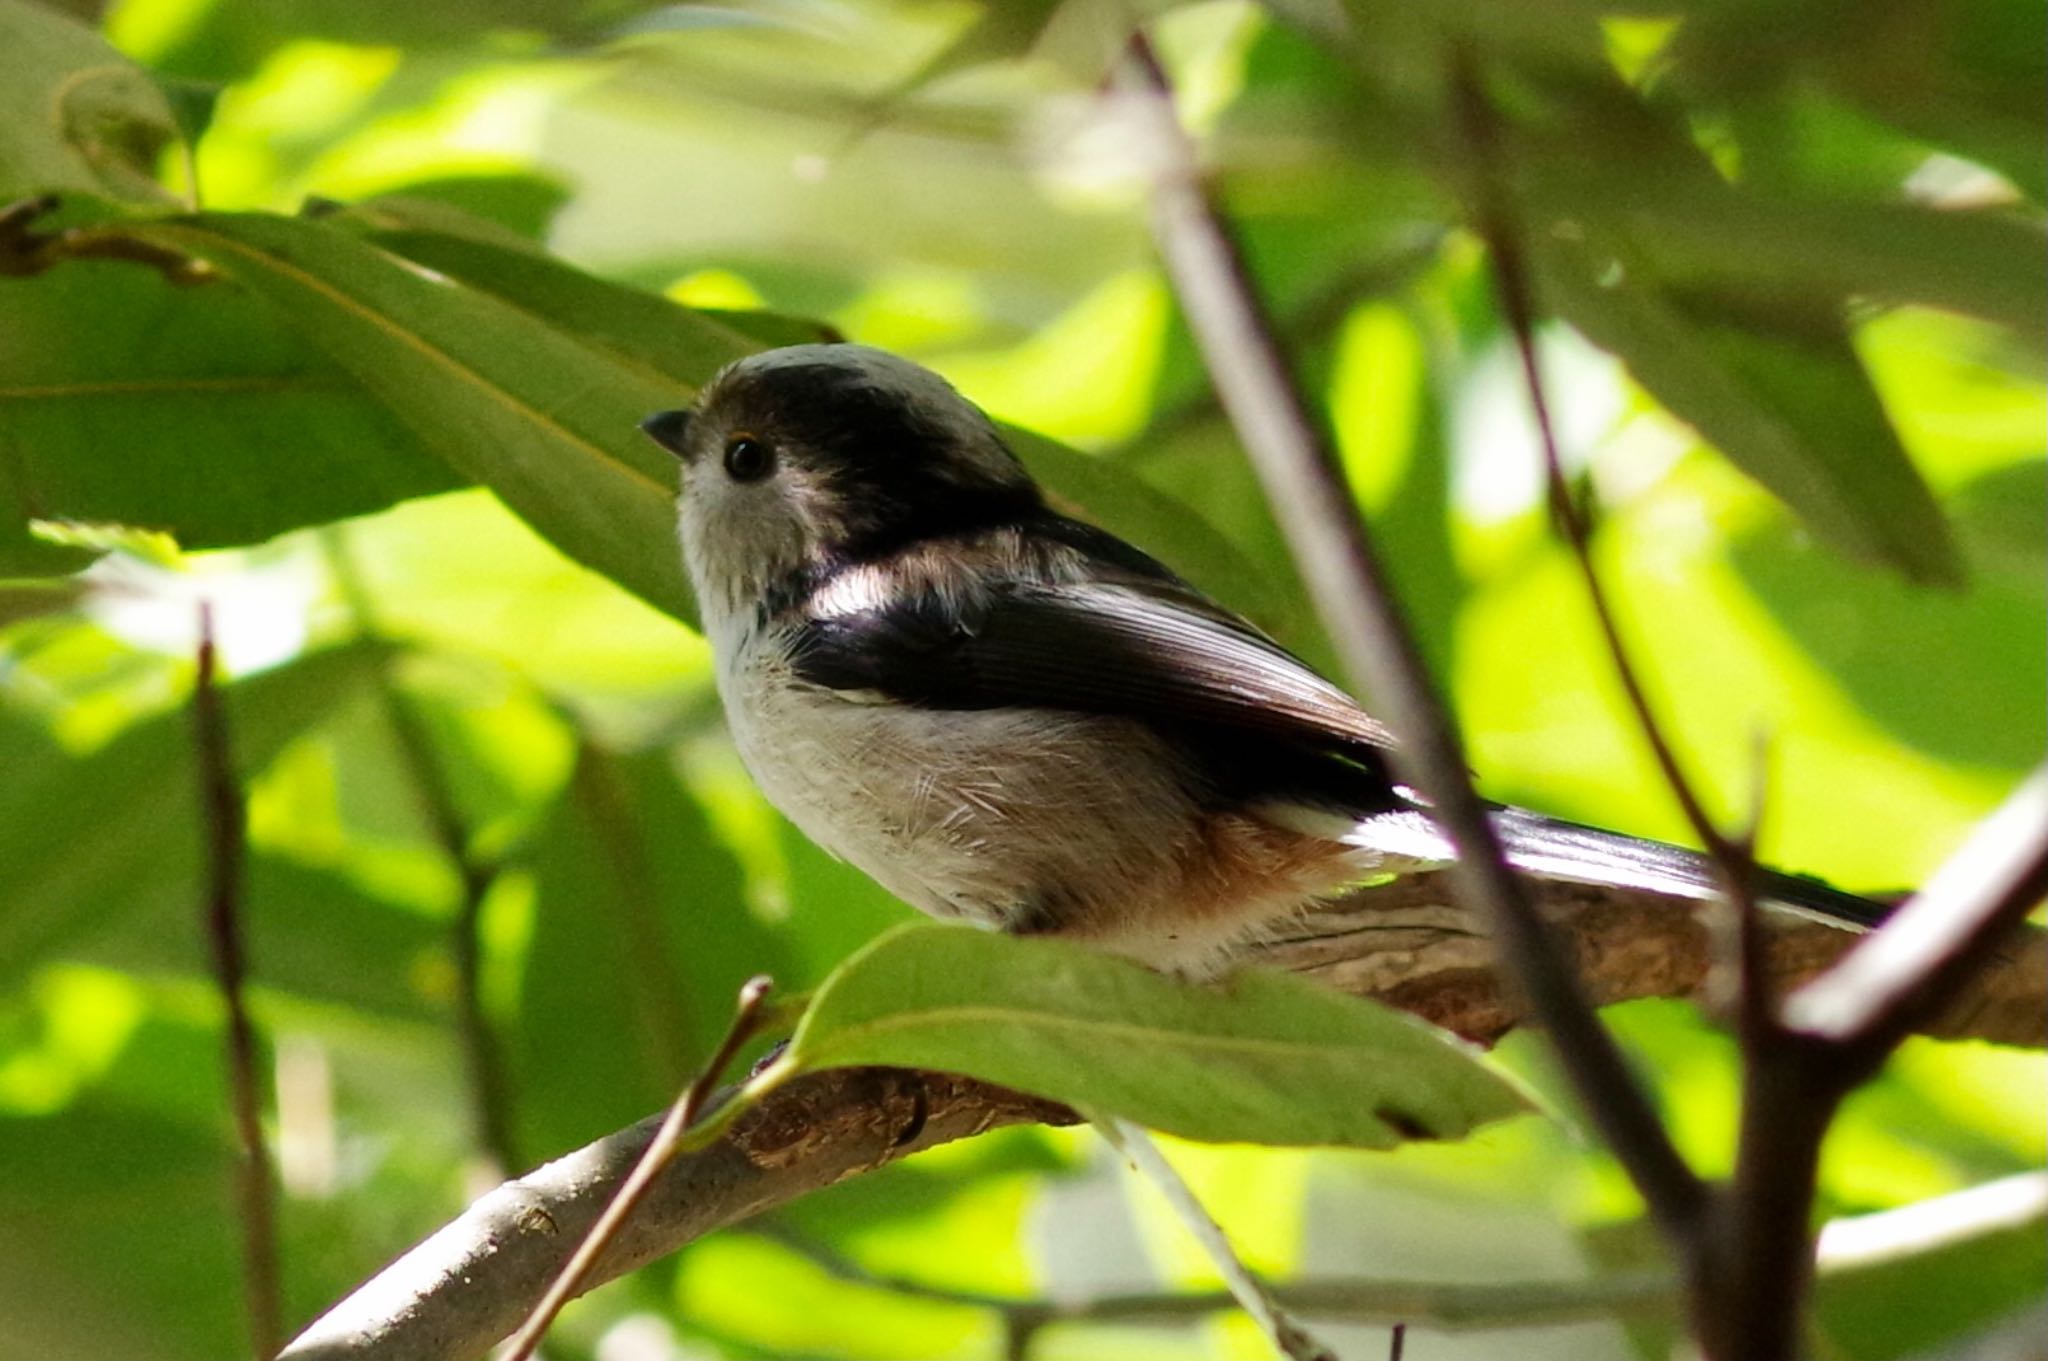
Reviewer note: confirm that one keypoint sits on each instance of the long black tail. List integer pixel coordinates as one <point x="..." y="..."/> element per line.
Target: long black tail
<point x="1555" y="849"/>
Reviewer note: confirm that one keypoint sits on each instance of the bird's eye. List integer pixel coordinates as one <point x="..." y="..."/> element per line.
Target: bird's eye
<point x="748" y="460"/>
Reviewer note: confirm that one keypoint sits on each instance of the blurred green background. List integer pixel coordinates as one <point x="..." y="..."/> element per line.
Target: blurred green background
<point x="1811" y="230"/>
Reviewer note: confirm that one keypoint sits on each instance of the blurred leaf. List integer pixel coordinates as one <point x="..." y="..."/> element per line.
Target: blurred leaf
<point x="75" y="115"/>
<point x="21" y="600"/>
<point x="737" y="1285"/>
<point x="1261" y="1057"/>
<point x="522" y="204"/>
<point x="228" y="39"/>
<point x="192" y="105"/>
<point x="1989" y="262"/>
<point x="547" y="421"/>
<point x="80" y="1176"/>
<point x="1965" y="75"/>
<point x="641" y="939"/>
<point x="311" y="932"/>
<point x="96" y="844"/>
<point x="1876" y="635"/>
<point x="641" y="329"/>
<point x="194" y="410"/>
<point x="1782" y="396"/>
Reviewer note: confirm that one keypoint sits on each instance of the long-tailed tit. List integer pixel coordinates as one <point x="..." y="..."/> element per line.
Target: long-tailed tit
<point x="1010" y="717"/>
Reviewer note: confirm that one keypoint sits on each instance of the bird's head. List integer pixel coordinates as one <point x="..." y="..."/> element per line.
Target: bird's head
<point x="798" y="459"/>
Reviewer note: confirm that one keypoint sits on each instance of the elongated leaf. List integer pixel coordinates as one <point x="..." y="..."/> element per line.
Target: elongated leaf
<point x="312" y="933"/>
<point x="633" y="326"/>
<point x="75" y="115"/>
<point x="1788" y="404"/>
<point x="1262" y="1057"/>
<point x="547" y="421"/>
<point x="1989" y="262"/>
<point x="195" y="410"/>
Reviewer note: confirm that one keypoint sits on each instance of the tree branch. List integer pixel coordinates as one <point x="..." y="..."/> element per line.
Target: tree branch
<point x="1894" y="979"/>
<point x="1414" y="943"/>
<point x="668" y="1136"/>
<point x="1355" y="600"/>
<point x="468" y="1285"/>
<point x="1831" y="1036"/>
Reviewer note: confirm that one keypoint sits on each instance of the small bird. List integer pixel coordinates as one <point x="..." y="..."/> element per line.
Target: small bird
<point x="1009" y="717"/>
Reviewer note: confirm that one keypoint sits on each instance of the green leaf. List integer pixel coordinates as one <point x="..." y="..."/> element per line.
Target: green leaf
<point x="635" y="327"/>
<point x="63" y="1293"/>
<point x="1262" y="1057"/>
<point x="191" y="409"/>
<point x="641" y="934"/>
<point x="311" y="932"/>
<point x="1783" y="396"/>
<point x="193" y="104"/>
<point x="1872" y="633"/>
<point x="75" y="115"/>
<point x="546" y="420"/>
<point x="641" y="328"/>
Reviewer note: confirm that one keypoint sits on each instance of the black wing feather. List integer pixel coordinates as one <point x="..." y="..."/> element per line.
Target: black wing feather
<point x="1141" y="645"/>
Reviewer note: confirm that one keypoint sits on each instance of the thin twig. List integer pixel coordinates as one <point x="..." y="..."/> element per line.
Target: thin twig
<point x="1288" y="1337"/>
<point x="1353" y="596"/>
<point x="1848" y="1247"/>
<point x="667" y="1139"/>
<point x="1496" y="227"/>
<point x="221" y="810"/>
<point x="1398" y="1343"/>
<point x="1756" y="1016"/>
<point x="490" y="1086"/>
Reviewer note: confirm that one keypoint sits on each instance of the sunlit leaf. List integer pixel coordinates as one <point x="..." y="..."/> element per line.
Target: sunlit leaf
<point x="195" y="410"/>
<point x="1783" y="396"/>
<point x="644" y="329"/>
<point x="547" y="421"/>
<point x="1260" y="1058"/>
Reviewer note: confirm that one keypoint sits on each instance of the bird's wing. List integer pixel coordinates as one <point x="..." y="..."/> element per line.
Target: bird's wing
<point x="1140" y="646"/>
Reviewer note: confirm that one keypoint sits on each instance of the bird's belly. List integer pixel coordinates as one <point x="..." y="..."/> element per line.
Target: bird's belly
<point x="1028" y="820"/>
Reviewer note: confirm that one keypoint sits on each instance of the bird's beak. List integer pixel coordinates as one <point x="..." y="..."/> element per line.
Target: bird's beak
<point x="669" y="429"/>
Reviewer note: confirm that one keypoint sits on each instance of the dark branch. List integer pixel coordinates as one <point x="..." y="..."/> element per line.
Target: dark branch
<point x="1355" y="600"/>
<point x="221" y="812"/>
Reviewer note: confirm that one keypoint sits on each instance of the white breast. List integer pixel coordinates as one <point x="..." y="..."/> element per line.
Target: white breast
<point x="1005" y="817"/>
